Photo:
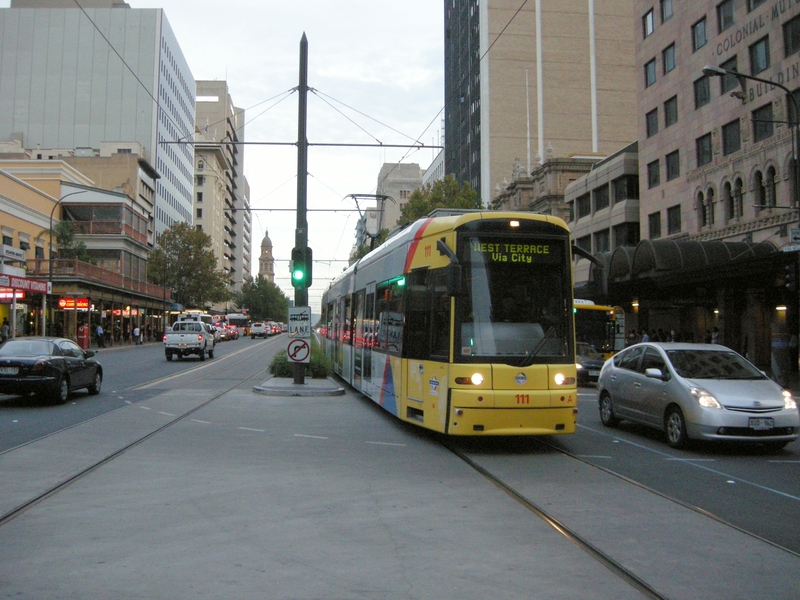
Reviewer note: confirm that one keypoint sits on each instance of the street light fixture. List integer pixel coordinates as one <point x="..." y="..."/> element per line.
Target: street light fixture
<point x="50" y="259"/>
<point x="715" y="71"/>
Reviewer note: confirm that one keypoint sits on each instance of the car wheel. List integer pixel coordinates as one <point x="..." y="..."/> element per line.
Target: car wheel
<point x="607" y="411"/>
<point x="203" y="353"/>
<point x="675" y="426"/>
<point x="169" y="356"/>
<point x="94" y="389"/>
<point x="61" y="391"/>
<point x="211" y="353"/>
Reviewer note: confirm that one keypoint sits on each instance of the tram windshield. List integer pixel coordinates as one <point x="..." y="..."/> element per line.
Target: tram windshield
<point x="517" y="302"/>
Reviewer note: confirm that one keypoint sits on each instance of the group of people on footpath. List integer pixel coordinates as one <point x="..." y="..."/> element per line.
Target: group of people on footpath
<point x="137" y="335"/>
<point x="659" y="335"/>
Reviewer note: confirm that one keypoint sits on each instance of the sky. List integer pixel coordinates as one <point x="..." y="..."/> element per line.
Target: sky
<point x="377" y="71"/>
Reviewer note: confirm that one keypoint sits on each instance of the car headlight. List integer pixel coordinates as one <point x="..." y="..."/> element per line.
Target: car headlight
<point x="704" y="398"/>
<point x="578" y="366"/>
<point x="788" y="401"/>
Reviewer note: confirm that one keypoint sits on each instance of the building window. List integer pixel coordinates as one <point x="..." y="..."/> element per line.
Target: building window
<point x="7" y="241"/>
<point x="731" y="139"/>
<point x="710" y="207"/>
<point x="584" y="243"/>
<point x="673" y="160"/>
<point x="626" y="234"/>
<point x="650" y="73"/>
<point x="201" y="180"/>
<point x="39" y="252"/>
<point x="651" y="122"/>
<point x="699" y="34"/>
<point x="703" y="147"/>
<point x="199" y="213"/>
<point x="791" y="36"/>
<point x="769" y="187"/>
<point x="753" y="4"/>
<point x="584" y="206"/>
<point x="602" y="241"/>
<point x="666" y="10"/>
<point x="648" y="23"/>
<point x="654" y="223"/>
<point x="759" y="56"/>
<point x="601" y="198"/>
<point x="653" y="174"/>
<point x="701" y="210"/>
<point x="738" y="198"/>
<point x="725" y="15"/>
<point x="674" y="219"/>
<point x="702" y="92"/>
<point x="668" y="58"/>
<point x="200" y="165"/>
<point x="199" y="196"/>
<point x="671" y="111"/>
<point x="626" y="188"/>
<point x="729" y="82"/>
<point x="762" y="122"/>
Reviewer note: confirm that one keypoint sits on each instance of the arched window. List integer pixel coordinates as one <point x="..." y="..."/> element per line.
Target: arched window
<point x="759" y="193"/>
<point x="727" y="199"/>
<point x="771" y="199"/>
<point x="710" y="207"/>
<point x="701" y="210"/>
<point x="738" y="200"/>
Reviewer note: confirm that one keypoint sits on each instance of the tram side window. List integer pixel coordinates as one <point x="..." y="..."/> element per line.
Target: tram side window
<point x="389" y="311"/>
<point x="440" y="345"/>
<point x="418" y="316"/>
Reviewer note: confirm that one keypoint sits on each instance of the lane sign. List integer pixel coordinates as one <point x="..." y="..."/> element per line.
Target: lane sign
<point x="794" y="236"/>
<point x="298" y="351"/>
<point x="299" y="325"/>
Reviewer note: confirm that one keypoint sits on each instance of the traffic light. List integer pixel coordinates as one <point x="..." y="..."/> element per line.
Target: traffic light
<point x="301" y="268"/>
<point x="790" y="276"/>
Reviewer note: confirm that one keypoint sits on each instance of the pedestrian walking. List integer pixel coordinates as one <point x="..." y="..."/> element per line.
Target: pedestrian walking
<point x="101" y="342"/>
<point x="715" y="335"/>
<point x="136" y="340"/>
<point x="645" y="335"/>
<point x="5" y="330"/>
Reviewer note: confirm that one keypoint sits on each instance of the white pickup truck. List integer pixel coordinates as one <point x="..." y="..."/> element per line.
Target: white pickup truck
<point x="189" y="337"/>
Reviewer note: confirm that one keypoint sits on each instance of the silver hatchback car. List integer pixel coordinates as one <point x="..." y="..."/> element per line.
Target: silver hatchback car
<point x="696" y="391"/>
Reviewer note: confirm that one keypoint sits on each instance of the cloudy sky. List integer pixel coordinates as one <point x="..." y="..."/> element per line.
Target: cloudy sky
<point x="377" y="69"/>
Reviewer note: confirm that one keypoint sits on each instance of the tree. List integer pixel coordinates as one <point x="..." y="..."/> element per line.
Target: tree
<point x="184" y="262"/>
<point x="63" y="235"/>
<point x="264" y="300"/>
<point x="443" y="193"/>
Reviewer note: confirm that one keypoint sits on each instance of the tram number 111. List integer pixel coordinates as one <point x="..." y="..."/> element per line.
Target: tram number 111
<point x="523" y="399"/>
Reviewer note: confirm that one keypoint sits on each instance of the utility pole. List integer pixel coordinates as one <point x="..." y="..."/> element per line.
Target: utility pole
<point x="301" y="230"/>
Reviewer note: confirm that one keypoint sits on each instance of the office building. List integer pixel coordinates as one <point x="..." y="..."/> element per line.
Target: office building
<point x="73" y="79"/>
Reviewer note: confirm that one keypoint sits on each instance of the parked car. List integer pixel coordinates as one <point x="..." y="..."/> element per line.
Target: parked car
<point x="696" y="391"/>
<point x="588" y="362"/>
<point x="49" y="367"/>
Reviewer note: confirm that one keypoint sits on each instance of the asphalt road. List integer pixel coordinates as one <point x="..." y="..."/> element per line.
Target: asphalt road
<point x="747" y="487"/>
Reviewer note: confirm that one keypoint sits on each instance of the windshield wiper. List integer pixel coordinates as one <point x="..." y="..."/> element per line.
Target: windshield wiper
<point x="527" y="360"/>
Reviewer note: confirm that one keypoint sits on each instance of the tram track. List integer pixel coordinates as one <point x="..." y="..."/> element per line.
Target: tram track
<point x="585" y="545"/>
<point x="84" y="471"/>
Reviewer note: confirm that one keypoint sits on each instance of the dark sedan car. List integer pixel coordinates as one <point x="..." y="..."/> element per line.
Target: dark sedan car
<point x="588" y="362"/>
<point x="49" y="367"/>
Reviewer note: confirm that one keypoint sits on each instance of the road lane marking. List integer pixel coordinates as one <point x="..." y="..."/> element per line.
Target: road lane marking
<point x="199" y="421"/>
<point x="251" y="429"/>
<point x="385" y="444"/>
<point x="313" y="437"/>
<point x="166" y="414"/>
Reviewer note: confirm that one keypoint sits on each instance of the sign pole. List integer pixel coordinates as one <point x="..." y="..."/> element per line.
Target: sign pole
<point x="301" y="231"/>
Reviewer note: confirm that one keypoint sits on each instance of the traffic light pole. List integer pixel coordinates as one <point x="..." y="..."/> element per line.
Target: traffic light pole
<point x="301" y="230"/>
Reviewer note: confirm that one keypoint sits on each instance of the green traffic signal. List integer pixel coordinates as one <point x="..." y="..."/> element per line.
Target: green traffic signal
<point x="301" y="268"/>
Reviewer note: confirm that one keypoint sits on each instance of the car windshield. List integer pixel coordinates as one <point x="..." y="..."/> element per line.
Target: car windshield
<point x="26" y="348"/>
<point x="712" y="364"/>
<point x="585" y="349"/>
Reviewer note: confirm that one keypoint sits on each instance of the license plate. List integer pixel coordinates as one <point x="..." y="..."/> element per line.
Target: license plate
<point x="9" y="370"/>
<point x="761" y="424"/>
<point x="594" y="373"/>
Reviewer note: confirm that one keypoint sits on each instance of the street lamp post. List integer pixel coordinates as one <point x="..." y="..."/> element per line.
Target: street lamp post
<point x="50" y="260"/>
<point x="715" y="71"/>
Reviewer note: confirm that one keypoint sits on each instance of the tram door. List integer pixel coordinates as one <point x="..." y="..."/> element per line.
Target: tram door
<point x="358" y="339"/>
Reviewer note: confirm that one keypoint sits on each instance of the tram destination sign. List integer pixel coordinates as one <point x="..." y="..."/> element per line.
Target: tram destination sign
<point x="299" y="325"/>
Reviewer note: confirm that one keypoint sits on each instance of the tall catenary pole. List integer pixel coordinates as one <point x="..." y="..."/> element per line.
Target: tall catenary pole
<point x="301" y="230"/>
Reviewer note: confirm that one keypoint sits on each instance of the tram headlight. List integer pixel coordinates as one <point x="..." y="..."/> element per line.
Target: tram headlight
<point x="561" y="379"/>
<point x="474" y="379"/>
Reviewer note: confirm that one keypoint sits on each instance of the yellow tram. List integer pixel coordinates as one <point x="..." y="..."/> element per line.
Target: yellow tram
<point x="462" y="323"/>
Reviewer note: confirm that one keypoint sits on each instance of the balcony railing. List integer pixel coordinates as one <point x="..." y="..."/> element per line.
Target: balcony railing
<point x="69" y="268"/>
<point x="108" y="228"/>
